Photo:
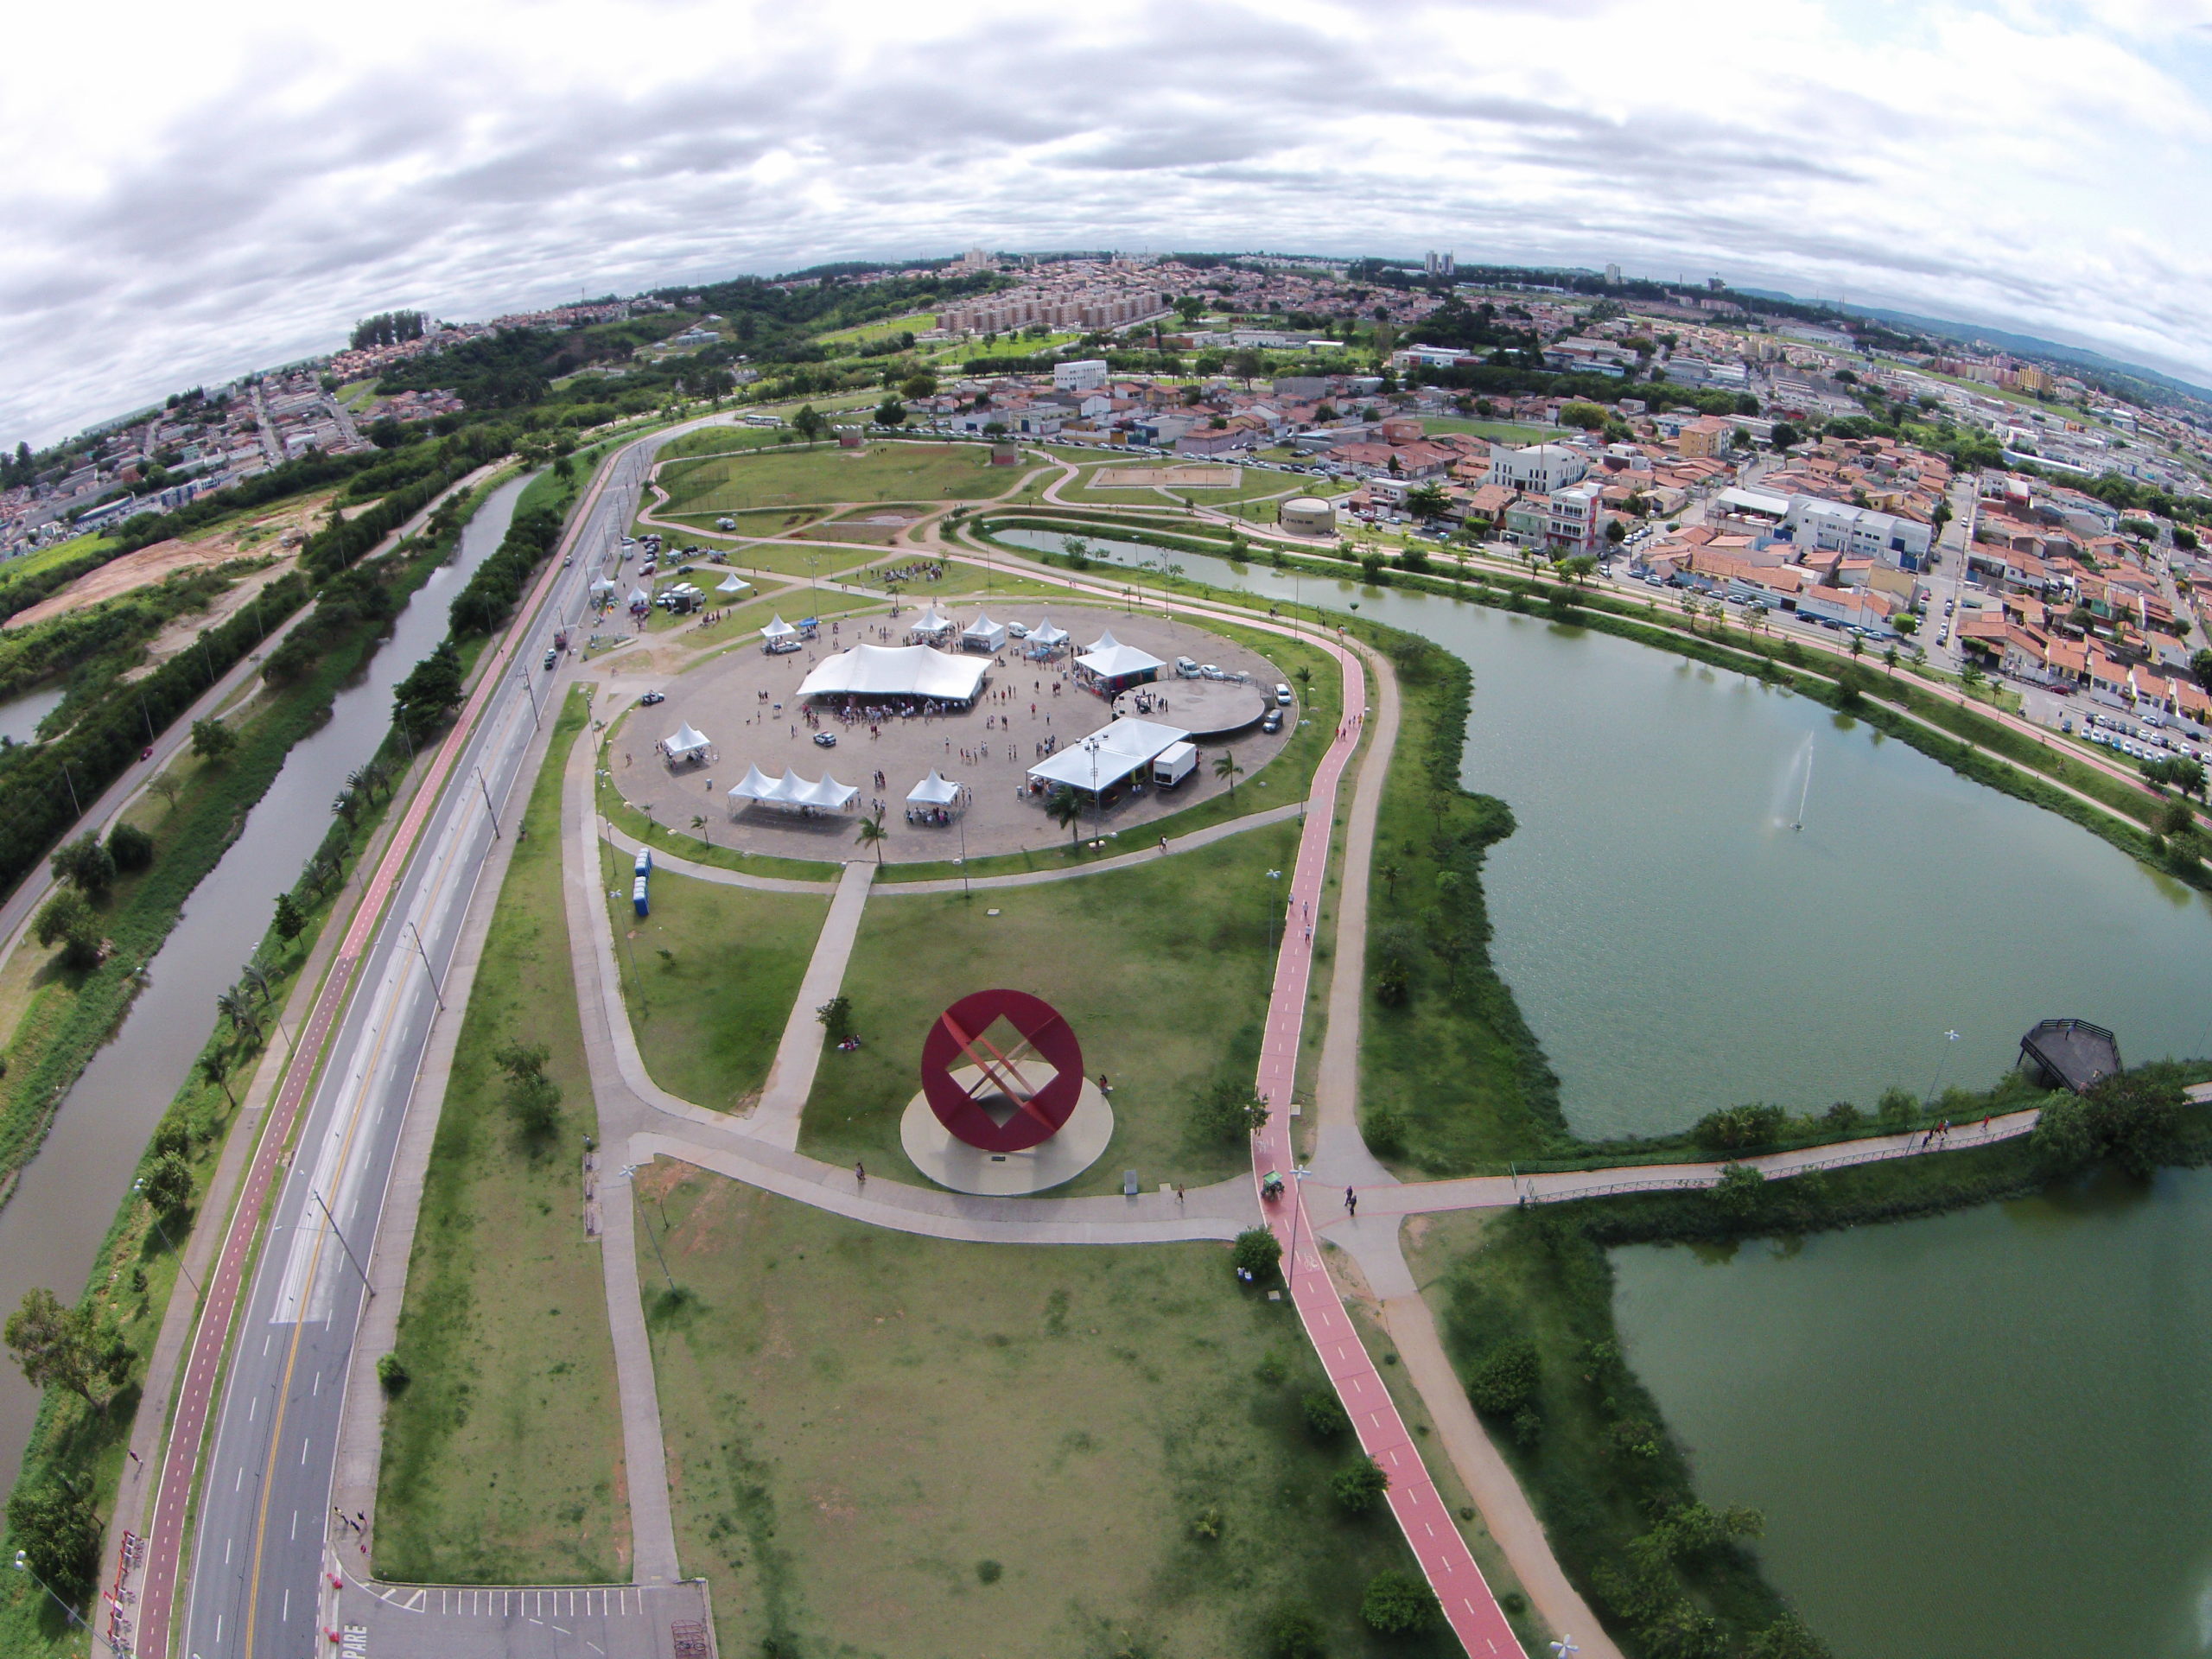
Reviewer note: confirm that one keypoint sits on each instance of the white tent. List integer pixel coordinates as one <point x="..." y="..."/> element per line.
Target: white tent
<point x="1046" y="635"/>
<point x="1105" y="641"/>
<point x="733" y="583"/>
<point x="602" y="588"/>
<point x="930" y="623"/>
<point x="639" y="598"/>
<point x="1109" y="659"/>
<point x="896" y="671"/>
<point x="983" y="634"/>
<point x="686" y="743"/>
<point x="778" y="629"/>
<point x="1127" y="745"/>
<point x="936" y="790"/>
<point x="792" y="790"/>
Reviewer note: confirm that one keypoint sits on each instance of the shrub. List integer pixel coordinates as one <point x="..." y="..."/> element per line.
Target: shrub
<point x="1358" y="1486"/>
<point x="836" y="1018"/>
<point x="1506" y="1379"/>
<point x="129" y="848"/>
<point x="1386" y="1131"/>
<point x="1325" y="1418"/>
<point x="167" y="1183"/>
<point x="66" y="920"/>
<point x="1397" y="1603"/>
<point x="1735" y="1127"/>
<point x="988" y="1572"/>
<point x="59" y="1537"/>
<point x="1292" y="1633"/>
<point x="1738" y="1191"/>
<point x="212" y="739"/>
<point x="1255" y="1254"/>
<point x="1897" y="1109"/>
<point x="1208" y="1523"/>
<point x="85" y="863"/>
<point x="393" y="1374"/>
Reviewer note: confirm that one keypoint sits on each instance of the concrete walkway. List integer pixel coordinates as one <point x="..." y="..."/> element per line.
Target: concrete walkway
<point x="790" y="1075"/>
<point x="1186" y="843"/>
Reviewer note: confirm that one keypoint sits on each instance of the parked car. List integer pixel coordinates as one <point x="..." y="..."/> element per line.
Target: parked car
<point x="1272" y="722"/>
<point x="826" y="739"/>
<point x="1282" y="696"/>
<point x="653" y="698"/>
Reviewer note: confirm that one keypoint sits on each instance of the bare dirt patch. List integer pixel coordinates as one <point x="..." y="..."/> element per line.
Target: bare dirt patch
<point x="1186" y="478"/>
<point x="184" y="631"/>
<point x="280" y="531"/>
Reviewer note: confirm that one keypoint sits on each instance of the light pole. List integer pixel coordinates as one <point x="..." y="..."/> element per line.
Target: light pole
<point x="342" y="1244"/>
<point x="629" y="1173"/>
<point x="437" y="989"/>
<point x="1298" y="1173"/>
<point x="168" y="1243"/>
<point x="1273" y="875"/>
<point x="1950" y="1040"/>
<point x="522" y="673"/>
<point x="490" y="811"/>
<point x="1097" y="806"/>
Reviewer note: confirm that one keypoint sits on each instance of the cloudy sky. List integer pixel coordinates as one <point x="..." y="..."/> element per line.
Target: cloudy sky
<point x="200" y="190"/>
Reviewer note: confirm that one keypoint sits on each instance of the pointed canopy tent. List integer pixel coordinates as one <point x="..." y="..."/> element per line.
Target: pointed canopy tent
<point x="896" y="671"/>
<point x="688" y="741"/>
<point x="778" y="629"/>
<point x="757" y="785"/>
<point x="1046" y="635"/>
<point x="791" y="790"/>
<point x="733" y="583"/>
<point x="829" y="793"/>
<point x="1117" y="664"/>
<point x="640" y="599"/>
<point x="932" y="624"/>
<point x="1105" y="641"/>
<point x="936" y="790"/>
<point x="602" y="588"/>
<point x="1127" y="745"/>
<point x="983" y="634"/>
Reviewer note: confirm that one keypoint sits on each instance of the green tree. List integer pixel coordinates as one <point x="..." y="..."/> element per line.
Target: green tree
<point x="432" y="690"/>
<point x="809" y="424"/>
<point x="1064" y="807"/>
<point x="1785" y="435"/>
<point x="291" y="919"/>
<point x="2134" y="1116"/>
<point x="1326" y="1417"/>
<point x="2200" y="664"/>
<point x="1427" y="501"/>
<point x="58" y="1347"/>
<point x="60" y="1536"/>
<point x="86" y="863"/>
<point x="1737" y="1193"/>
<point x="1359" y="1485"/>
<point x="1255" y="1253"/>
<point x="1506" y="1379"/>
<point x="129" y="848"/>
<point x="1591" y="417"/>
<point x="1293" y="1633"/>
<point x="533" y="1098"/>
<point x="836" y="1018"/>
<point x="168" y="1184"/>
<point x="67" y="920"/>
<point x="1787" y="1637"/>
<point x="1398" y="1604"/>
<point x="212" y="741"/>
<point x="891" y="412"/>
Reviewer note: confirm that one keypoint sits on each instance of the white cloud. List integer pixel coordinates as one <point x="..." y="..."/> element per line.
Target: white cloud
<point x="220" y="187"/>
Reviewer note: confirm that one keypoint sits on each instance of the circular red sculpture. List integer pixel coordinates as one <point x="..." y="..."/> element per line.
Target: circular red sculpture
<point x="1041" y="1082"/>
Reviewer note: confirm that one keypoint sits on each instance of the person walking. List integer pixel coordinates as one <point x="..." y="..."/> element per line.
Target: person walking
<point x="860" y="1174"/>
<point x="1351" y="1201"/>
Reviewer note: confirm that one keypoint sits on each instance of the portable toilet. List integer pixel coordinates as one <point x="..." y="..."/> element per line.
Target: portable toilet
<point x="645" y="864"/>
<point x="637" y="898"/>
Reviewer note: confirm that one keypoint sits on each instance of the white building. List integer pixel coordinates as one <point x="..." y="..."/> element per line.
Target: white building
<point x="1577" y="517"/>
<point x="1838" y="527"/>
<point x="1088" y="375"/>
<point x="1540" y="470"/>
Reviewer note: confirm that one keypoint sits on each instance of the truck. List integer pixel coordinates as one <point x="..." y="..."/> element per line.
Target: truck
<point x="560" y="639"/>
<point x="1173" y="764"/>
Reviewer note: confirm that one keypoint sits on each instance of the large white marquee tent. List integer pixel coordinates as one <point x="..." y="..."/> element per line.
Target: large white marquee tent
<point x="1127" y="745"/>
<point x="896" y="671"/>
<point x="791" y="790"/>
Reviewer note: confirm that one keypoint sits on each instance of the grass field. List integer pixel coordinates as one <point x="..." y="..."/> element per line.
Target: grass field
<point x="720" y="969"/>
<point x="888" y="471"/>
<point x="1163" y="971"/>
<point x="724" y="439"/>
<point x="503" y="1456"/>
<point x="883" y="1445"/>
<point x="1504" y="431"/>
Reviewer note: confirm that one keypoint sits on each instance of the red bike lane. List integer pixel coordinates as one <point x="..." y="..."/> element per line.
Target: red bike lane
<point x="1469" y="1607"/>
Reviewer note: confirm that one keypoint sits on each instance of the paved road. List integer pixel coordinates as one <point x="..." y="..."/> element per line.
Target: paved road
<point x="258" y="1533"/>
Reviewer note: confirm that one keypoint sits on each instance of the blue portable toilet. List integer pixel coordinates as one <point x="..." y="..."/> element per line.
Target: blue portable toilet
<point x="637" y="898"/>
<point x="645" y="864"/>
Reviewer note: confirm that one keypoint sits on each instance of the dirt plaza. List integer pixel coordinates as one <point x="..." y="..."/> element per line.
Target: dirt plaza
<point x="745" y="703"/>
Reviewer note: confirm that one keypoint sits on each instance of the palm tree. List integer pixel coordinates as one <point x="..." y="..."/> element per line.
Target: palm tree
<point x="1389" y="873"/>
<point x="871" y="832"/>
<point x="212" y="1069"/>
<point x="1225" y="765"/>
<point x="1858" y="647"/>
<point x="699" y="829"/>
<point x="1064" y="806"/>
<point x="1305" y="677"/>
<point x="1889" y="661"/>
<point x="238" y="1011"/>
<point x="255" y="980"/>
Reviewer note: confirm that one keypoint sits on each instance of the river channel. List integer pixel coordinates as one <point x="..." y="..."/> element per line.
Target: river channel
<point x="50" y="1231"/>
<point x="1986" y="1435"/>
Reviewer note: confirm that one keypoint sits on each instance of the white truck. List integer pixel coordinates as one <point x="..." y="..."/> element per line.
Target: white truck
<point x="1173" y="764"/>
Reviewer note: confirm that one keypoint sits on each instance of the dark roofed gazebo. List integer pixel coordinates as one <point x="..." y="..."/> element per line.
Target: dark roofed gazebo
<point x="2069" y="1054"/>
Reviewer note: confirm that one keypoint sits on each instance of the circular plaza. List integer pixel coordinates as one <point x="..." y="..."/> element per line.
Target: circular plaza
<point x="956" y="738"/>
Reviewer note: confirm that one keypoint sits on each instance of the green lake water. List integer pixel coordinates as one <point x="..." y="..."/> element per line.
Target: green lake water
<point x="1983" y="1436"/>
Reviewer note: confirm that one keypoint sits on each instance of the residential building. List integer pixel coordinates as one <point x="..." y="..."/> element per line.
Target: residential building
<point x="1087" y="375"/>
<point x="1835" y="526"/>
<point x="1575" y="519"/>
<point x="1539" y="469"/>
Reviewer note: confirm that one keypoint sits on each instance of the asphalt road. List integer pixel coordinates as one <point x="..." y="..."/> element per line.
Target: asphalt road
<point x="256" y="1568"/>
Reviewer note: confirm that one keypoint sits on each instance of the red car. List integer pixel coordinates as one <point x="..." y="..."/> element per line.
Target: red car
<point x="146" y="754"/>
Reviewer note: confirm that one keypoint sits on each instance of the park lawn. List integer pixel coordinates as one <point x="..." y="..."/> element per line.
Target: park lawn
<point x="503" y="1455"/>
<point x="964" y="581"/>
<point x="1163" y="970"/>
<point x="886" y="470"/>
<point x="754" y="522"/>
<point x="798" y="559"/>
<point x="882" y="1444"/>
<point x="720" y="968"/>
<point x="861" y="333"/>
<point x="685" y="844"/>
<point x="730" y="439"/>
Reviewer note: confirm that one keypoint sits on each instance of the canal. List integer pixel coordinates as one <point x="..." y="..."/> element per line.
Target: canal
<point x="50" y="1231"/>
<point x="1983" y="1434"/>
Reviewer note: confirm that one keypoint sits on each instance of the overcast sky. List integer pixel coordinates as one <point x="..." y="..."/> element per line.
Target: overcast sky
<point x="199" y="190"/>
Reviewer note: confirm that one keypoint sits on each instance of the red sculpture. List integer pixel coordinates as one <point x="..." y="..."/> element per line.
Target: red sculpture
<point x="1040" y="1104"/>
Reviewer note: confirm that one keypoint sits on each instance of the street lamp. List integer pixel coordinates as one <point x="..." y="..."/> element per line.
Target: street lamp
<point x="23" y="1566"/>
<point x="168" y="1244"/>
<point x="628" y="1173"/>
<point x="1298" y="1173"/>
<point x="1273" y="875"/>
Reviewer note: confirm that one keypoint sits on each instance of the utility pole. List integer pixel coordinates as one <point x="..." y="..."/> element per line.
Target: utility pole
<point x="437" y="989"/>
<point x="342" y="1244"/>
<point x="488" y="809"/>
